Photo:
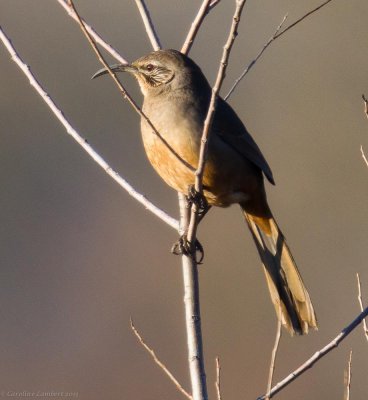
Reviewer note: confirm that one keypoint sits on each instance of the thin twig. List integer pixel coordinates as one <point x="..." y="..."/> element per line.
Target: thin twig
<point x="195" y="26"/>
<point x="158" y="362"/>
<point x="365" y="329"/>
<point x="218" y="379"/>
<point x="366" y="114"/>
<point x="123" y="91"/>
<point x="81" y="141"/>
<point x="318" y="355"/>
<point x="92" y="32"/>
<point x="150" y="29"/>
<point x="213" y="4"/>
<point x="348" y="377"/>
<point x="210" y="115"/>
<point x="273" y="357"/>
<point x="258" y="56"/>
<point x="276" y="35"/>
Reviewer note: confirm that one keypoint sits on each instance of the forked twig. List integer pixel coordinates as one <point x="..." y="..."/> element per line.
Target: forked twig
<point x="273" y="357"/>
<point x="195" y="27"/>
<point x="258" y="56"/>
<point x="158" y="362"/>
<point x="124" y="92"/>
<point x="365" y="329"/>
<point x="348" y="377"/>
<point x="318" y="355"/>
<point x="92" y="32"/>
<point x="81" y="141"/>
<point x="275" y="36"/>
<point x="150" y="28"/>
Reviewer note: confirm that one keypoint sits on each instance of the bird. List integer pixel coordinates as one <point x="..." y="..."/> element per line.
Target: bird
<point x="176" y="97"/>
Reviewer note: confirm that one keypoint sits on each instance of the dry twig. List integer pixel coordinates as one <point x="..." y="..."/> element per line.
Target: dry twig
<point x="158" y="362"/>
<point x="348" y="377"/>
<point x="318" y="355"/>
<point x="218" y="379"/>
<point x="150" y="29"/>
<point x="273" y="357"/>
<point x="203" y="10"/>
<point x="92" y="32"/>
<point x="81" y="141"/>
<point x="366" y="114"/>
<point x="365" y="329"/>
<point x="275" y="36"/>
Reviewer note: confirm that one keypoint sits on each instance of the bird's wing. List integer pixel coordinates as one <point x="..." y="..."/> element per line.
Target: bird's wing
<point x="228" y="126"/>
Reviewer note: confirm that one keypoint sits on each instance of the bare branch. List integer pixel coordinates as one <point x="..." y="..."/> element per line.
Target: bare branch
<point x="273" y="357"/>
<point x="348" y="377"/>
<point x="195" y="26"/>
<point x="365" y="329"/>
<point x="158" y="362"/>
<point x="210" y="115"/>
<point x="123" y="91"/>
<point x="275" y="36"/>
<point x="366" y="114"/>
<point x="81" y="141"/>
<point x="258" y="56"/>
<point x="213" y="4"/>
<point x="218" y="379"/>
<point x="150" y="29"/>
<point x="318" y="355"/>
<point x="92" y="32"/>
<point x="363" y="155"/>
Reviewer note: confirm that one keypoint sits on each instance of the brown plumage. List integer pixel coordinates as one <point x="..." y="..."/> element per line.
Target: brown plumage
<point x="176" y="99"/>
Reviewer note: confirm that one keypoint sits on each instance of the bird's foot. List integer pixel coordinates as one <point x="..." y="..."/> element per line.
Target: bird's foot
<point x="183" y="246"/>
<point x="199" y="199"/>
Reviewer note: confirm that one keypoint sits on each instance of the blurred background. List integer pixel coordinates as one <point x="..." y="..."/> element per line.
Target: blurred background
<point x="79" y="256"/>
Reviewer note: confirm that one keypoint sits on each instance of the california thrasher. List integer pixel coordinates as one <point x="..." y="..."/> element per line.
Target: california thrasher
<point x="176" y="99"/>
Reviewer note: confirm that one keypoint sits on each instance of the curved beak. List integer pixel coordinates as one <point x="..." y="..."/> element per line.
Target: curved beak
<point x="115" y="68"/>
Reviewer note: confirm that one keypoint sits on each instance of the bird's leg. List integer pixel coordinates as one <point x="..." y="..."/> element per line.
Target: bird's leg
<point x="183" y="246"/>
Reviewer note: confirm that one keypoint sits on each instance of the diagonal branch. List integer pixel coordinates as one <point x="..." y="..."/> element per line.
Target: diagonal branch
<point x="92" y="32"/>
<point x="81" y="141"/>
<point x="275" y="36"/>
<point x="258" y="56"/>
<point x="124" y="92"/>
<point x="318" y="355"/>
<point x="150" y="29"/>
<point x="273" y="357"/>
<point x="158" y="362"/>
<point x="188" y="43"/>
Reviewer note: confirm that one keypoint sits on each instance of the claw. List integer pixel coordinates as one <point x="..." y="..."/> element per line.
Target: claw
<point x="183" y="246"/>
<point x="199" y="199"/>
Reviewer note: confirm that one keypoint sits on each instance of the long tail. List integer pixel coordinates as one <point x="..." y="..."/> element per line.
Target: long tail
<point x="288" y="292"/>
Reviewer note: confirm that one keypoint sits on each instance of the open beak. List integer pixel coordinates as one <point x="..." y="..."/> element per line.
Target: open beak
<point x="115" y="68"/>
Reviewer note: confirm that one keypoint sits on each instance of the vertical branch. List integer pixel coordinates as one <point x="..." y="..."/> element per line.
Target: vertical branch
<point x="150" y="29"/>
<point x="218" y="379"/>
<point x="273" y="357"/>
<point x="192" y="314"/>
<point x="348" y="377"/>
<point x="364" y="324"/>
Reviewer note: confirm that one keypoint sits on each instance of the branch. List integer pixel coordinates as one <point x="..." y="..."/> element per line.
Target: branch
<point x="348" y="377"/>
<point x="318" y="355"/>
<point x="365" y="329"/>
<point x="158" y="362"/>
<point x="366" y="114"/>
<point x="258" y="56"/>
<point x="273" y="357"/>
<point x="275" y="36"/>
<point x="218" y="379"/>
<point x="210" y="115"/>
<point x="123" y="91"/>
<point x="150" y="29"/>
<point x="81" y="141"/>
<point x="95" y="36"/>
<point x="188" y="43"/>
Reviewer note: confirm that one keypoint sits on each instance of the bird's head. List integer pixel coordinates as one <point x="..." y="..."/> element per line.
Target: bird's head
<point x="160" y="71"/>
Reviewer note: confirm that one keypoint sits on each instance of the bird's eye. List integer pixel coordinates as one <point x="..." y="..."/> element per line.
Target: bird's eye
<point x="150" y="67"/>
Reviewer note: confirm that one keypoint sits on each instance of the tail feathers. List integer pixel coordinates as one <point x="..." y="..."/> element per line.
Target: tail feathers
<point x="288" y="292"/>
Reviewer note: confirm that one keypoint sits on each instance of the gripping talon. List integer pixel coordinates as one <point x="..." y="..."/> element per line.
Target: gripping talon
<point x="183" y="246"/>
